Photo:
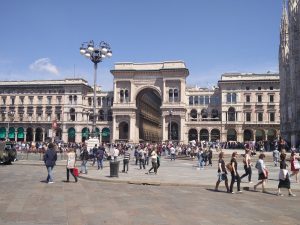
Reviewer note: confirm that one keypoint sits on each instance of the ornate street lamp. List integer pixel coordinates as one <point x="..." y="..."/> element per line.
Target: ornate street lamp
<point x="170" y="128"/>
<point x="96" y="53"/>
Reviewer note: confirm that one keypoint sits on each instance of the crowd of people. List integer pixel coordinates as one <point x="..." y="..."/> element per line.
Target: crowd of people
<point x="144" y="154"/>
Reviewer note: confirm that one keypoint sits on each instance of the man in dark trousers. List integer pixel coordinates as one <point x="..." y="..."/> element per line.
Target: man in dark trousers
<point x="50" y="158"/>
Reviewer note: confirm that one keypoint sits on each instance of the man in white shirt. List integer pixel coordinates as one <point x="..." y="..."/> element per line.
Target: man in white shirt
<point x="116" y="153"/>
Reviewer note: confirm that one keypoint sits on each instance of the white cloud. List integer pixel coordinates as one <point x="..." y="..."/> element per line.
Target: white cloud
<point x="44" y="65"/>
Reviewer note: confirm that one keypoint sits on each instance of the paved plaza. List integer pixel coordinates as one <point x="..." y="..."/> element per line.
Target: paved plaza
<point x="179" y="194"/>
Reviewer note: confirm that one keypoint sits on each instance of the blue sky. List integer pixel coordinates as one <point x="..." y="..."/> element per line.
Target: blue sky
<point x="41" y="39"/>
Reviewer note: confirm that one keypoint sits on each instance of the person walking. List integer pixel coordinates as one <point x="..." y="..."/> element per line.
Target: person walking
<point x="173" y="153"/>
<point x="50" y="158"/>
<point x="235" y="177"/>
<point x="84" y="159"/>
<point x="262" y="172"/>
<point x="71" y="161"/>
<point x="126" y="160"/>
<point x="247" y="165"/>
<point x="284" y="180"/>
<point x="100" y="156"/>
<point x="153" y="161"/>
<point x="222" y="173"/>
<point x="209" y="156"/>
<point x="116" y="153"/>
<point x="142" y="158"/>
<point x="294" y="165"/>
<point x="200" y="159"/>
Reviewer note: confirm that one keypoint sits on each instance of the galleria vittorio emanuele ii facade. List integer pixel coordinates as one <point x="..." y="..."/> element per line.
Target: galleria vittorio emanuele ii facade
<point x="150" y="102"/>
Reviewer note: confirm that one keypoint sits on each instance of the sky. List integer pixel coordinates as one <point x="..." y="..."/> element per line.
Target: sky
<point x="41" y="39"/>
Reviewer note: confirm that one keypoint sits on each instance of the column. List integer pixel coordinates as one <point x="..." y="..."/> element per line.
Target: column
<point x="182" y="91"/>
<point x="132" y="135"/>
<point x="44" y="134"/>
<point x="25" y="135"/>
<point x="182" y="131"/>
<point x="114" y="130"/>
<point x="16" y="136"/>
<point x="164" y="91"/>
<point x="33" y="133"/>
<point x="163" y="128"/>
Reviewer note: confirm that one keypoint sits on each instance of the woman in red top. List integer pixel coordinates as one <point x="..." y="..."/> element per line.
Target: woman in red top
<point x="294" y="160"/>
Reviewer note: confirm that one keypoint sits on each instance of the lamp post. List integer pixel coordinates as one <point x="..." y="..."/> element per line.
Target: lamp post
<point x="170" y="128"/>
<point x="96" y="53"/>
<point x="11" y="115"/>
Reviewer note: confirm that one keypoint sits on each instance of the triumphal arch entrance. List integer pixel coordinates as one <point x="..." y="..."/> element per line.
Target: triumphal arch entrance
<point x="149" y="102"/>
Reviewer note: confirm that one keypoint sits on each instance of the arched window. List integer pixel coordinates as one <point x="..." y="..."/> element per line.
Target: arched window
<point x="194" y="114"/>
<point x="90" y="101"/>
<point x="126" y="95"/>
<point x="214" y="114"/>
<point x="101" y="115"/>
<point x="70" y="99"/>
<point x="231" y="114"/>
<point x="204" y="114"/>
<point x="75" y="99"/>
<point x="122" y="96"/>
<point x="72" y="114"/>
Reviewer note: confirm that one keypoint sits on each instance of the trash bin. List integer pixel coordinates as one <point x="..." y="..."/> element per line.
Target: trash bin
<point x="114" y="168"/>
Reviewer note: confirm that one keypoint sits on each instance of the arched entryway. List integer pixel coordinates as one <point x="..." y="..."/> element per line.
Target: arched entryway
<point x="259" y="135"/>
<point x="248" y="135"/>
<point x="214" y="135"/>
<point x="29" y="134"/>
<point x="271" y="135"/>
<point x="231" y="135"/>
<point x="58" y="134"/>
<point x="204" y="135"/>
<point x="39" y="134"/>
<point x="71" y="134"/>
<point x="2" y="133"/>
<point x="20" y="135"/>
<point x="148" y="115"/>
<point x="123" y="131"/>
<point x="11" y="134"/>
<point x="105" y="135"/>
<point x="174" y="131"/>
<point x="193" y="135"/>
<point x="85" y="134"/>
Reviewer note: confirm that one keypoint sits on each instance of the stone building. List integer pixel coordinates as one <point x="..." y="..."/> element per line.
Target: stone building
<point x="289" y="69"/>
<point x="150" y="102"/>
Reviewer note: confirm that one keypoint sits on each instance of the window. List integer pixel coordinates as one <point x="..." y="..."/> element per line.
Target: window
<point x="72" y="114"/>
<point x="40" y="100"/>
<point x="201" y="100"/>
<point x="48" y="117"/>
<point x="259" y="98"/>
<point x="126" y="95"/>
<point x="271" y="88"/>
<point x="231" y="114"/>
<point x="12" y="99"/>
<point x="30" y="100"/>
<point x="75" y="99"/>
<point x="58" y="116"/>
<point x="260" y="117"/>
<point x="206" y="100"/>
<point x="39" y="117"/>
<point x="248" y="117"/>
<point x="271" y="98"/>
<point x="259" y="88"/>
<point x="4" y="100"/>
<point x="272" y="117"/>
<point x="247" y="88"/>
<point x="248" y="98"/>
<point x="58" y="100"/>
<point x="122" y="96"/>
<point x="231" y="97"/>
<point x="49" y="100"/>
<point x="191" y="100"/>
<point x="173" y="95"/>
<point x="196" y="100"/>
<point x="99" y="101"/>
<point x="193" y="114"/>
<point x="21" y="99"/>
<point x="90" y="101"/>
<point x="70" y="99"/>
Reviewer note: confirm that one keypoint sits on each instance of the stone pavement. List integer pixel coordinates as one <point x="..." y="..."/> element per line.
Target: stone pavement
<point x="177" y="173"/>
<point x="25" y="199"/>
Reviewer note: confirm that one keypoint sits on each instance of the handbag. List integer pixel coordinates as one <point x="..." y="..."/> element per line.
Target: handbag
<point x="76" y="172"/>
<point x="229" y="167"/>
<point x="296" y="164"/>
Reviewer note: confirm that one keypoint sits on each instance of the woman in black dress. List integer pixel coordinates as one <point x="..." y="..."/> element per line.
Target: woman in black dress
<point x="284" y="180"/>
